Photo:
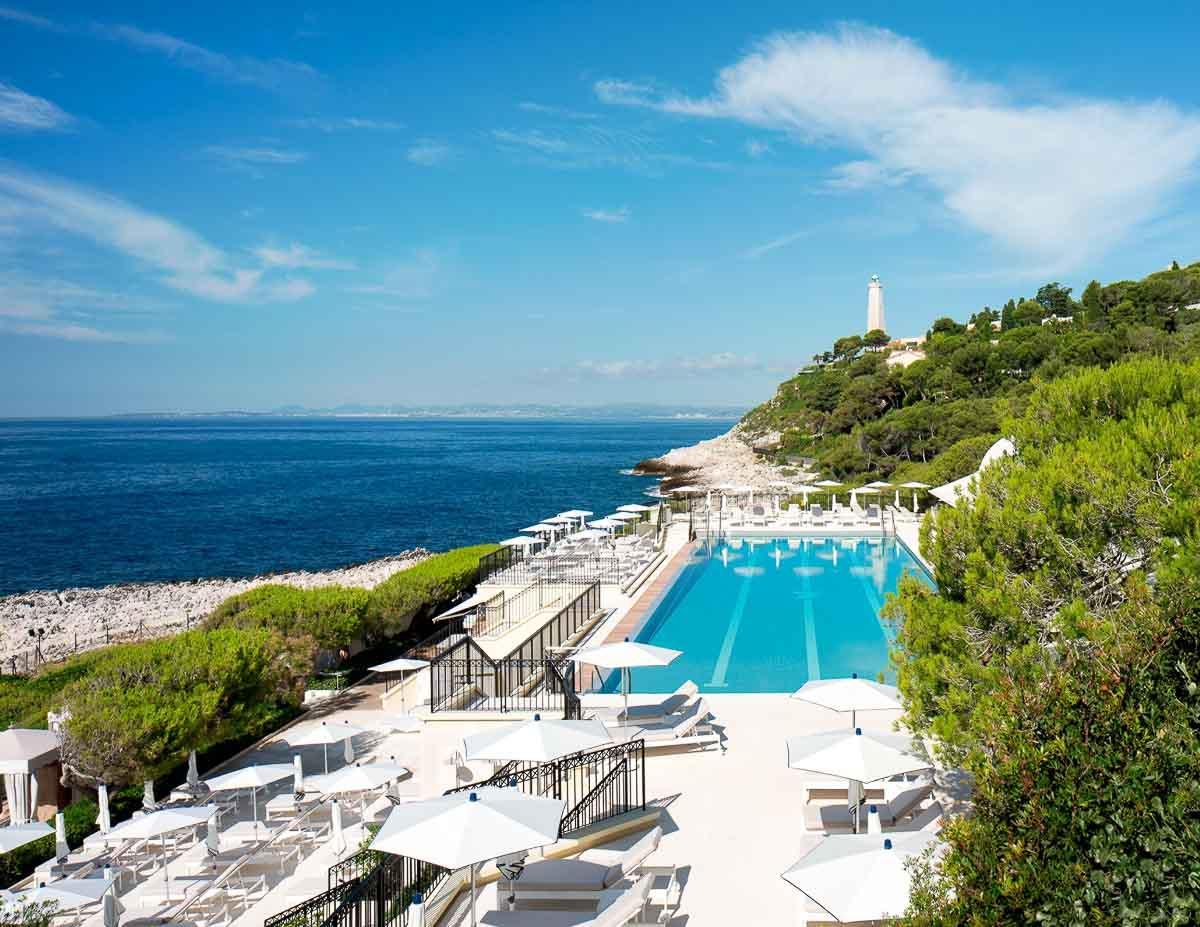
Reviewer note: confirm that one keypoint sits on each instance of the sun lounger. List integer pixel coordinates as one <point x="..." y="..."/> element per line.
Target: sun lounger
<point x="670" y="705"/>
<point x="619" y="909"/>
<point x="872" y="513"/>
<point x="585" y="876"/>
<point x="688" y="728"/>
<point x="900" y="806"/>
<point x="817" y="514"/>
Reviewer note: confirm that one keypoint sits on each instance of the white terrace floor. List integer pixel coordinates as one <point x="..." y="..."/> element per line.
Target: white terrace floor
<point x="733" y="822"/>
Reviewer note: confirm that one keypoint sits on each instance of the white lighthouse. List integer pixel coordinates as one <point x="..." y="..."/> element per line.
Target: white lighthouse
<point x="875" y="305"/>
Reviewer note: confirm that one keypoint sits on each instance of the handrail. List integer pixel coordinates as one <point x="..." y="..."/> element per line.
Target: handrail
<point x="587" y="799"/>
<point x="224" y="877"/>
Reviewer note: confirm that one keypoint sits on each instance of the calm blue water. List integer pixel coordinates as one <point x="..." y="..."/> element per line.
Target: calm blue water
<point x="87" y="503"/>
<point x="767" y="615"/>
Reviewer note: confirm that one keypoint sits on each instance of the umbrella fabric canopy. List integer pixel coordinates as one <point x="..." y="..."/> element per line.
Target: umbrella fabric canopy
<point x="520" y="540"/>
<point x="625" y="516"/>
<point x="400" y="724"/>
<point x="399" y="665"/>
<point x="827" y="484"/>
<point x="250" y="777"/>
<point x="636" y="507"/>
<point x="852" y="695"/>
<point x="25" y="750"/>
<point x="324" y="734"/>
<point x="863" y="756"/>
<point x="576" y="513"/>
<point x="17" y="835"/>
<point x="684" y="490"/>
<point x="61" y="849"/>
<point x="297" y="775"/>
<point x="860" y="877"/>
<point x="607" y="523"/>
<point x="879" y="484"/>
<point x="914" y="484"/>
<point x="335" y="828"/>
<point x="537" y="741"/>
<point x="68" y="894"/>
<point x="193" y="773"/>
<point x="361" y="777"/>
<point x="559" y="520"/>
<point x="624" y="656"/>
<point x="162" y="822"/>
<point x="466" y="828"/>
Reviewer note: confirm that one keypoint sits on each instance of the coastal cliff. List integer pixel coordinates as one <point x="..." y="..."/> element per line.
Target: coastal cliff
<point x="85" y="618"/>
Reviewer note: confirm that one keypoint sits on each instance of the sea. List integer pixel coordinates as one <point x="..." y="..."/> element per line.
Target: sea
<point x="101" y="501"/>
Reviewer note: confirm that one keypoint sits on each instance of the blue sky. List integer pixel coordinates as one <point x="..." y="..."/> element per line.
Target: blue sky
<point x="257" y="206"/>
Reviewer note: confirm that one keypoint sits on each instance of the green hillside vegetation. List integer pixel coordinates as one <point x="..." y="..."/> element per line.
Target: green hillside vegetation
<point x="931" y="421"/>
<point x="1059" y="660"/>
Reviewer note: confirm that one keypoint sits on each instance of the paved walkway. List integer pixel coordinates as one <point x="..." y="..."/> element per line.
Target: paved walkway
<point x="650" y="595"/>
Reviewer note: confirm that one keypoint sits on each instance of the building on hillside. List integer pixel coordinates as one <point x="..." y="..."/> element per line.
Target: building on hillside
<point x="875" y="318"/>
<point x="1057" y="318"/>
<point x="996" y="325"/>
<point x="904" y="357"/>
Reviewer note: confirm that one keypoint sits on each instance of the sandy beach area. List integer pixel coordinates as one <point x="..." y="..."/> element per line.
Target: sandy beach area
<point x="95" y="616"/>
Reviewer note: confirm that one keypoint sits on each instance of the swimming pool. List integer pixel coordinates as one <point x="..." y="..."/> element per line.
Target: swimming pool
<point x="769" y="614"/>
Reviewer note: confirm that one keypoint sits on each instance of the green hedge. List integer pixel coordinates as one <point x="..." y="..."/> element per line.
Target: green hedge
<point x="332" y="616"/>
<point x="403" y="597"/>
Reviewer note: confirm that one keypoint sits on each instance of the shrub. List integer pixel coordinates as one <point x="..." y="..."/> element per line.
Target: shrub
<point x="418" y="590"/>
<point x="332" y="616"/>
<point x="143" y="707"/>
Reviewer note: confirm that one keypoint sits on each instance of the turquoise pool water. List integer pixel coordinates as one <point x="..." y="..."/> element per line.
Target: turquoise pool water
<point x="769" y="614"/>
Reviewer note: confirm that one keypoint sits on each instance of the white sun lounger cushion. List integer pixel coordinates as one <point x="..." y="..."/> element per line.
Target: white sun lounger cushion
<point x="628" y="859"/>
<point x="623" y="908"/>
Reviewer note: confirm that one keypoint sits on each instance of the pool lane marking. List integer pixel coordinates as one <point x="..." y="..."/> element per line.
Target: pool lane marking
<point x="810" y="628"/>
<point x="735" y="621"/>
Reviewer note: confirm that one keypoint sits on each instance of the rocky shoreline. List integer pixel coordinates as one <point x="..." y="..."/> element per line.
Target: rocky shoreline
<point x="85" y="618"/>
<point x="727" y="458"/>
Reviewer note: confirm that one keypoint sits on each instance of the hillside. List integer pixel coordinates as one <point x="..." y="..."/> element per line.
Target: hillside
<point x="857" y="416"/>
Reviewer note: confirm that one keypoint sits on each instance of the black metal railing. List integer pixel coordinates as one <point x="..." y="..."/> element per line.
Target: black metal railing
<point x="595" y="785"/>
<point x="494" y="562"/>
<point x="501" y="613"/>
<point x="531" y="677"/>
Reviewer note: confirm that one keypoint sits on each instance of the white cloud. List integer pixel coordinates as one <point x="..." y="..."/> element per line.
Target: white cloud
<point x="181" y="259"/>
<point x="254" y="156"/>
<point x="346" y="124"/>
<point x="428" y="152"/>
<point x="274" y="74"/>
<point x="23" y="112"/>
<point x="53" y="308"/>
<point x="767" y="247"/>
<point x="416" y="278"/>
<point x="27" y="19"/>
<point x="863" y="175"/>
<point x="756" y="148"/>
<point x="543" y="109"/>
<point x="1061" y="179"/>
<point x="533" y="138"/>
<point x="608" y="215"/>
<point x="673" y="368"/>
<point x="296" y="256"/>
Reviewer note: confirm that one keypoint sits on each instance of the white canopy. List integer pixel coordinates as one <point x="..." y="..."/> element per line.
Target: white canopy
<point x="540" y="528"/>
<point x="250" y="777"/>
<point x="685" y="490"/>
<point x="635" y="507"/>
<point x="964" y="488"/>
<point x="520" y="540"/>
<point x="625" y="654"/>
<point x="560" y="520"/>
<point x="463" y="828"/>
<point x="17" y="835"/>
<point x="162" y="822"/>
<point x="538" y="740"/>
<point x="400" y="665"/>
<point x="576" y="513"/>
<point x="879" y="484"/>
<point x="860" y="877"/>
<point x="67" y="894"/>
<point x="914" y="484"/>
<point x="465" y="605"/>
<point x="826" y="484"/>
<point x="361" y="777"/>
<point x="606" y="523"/>
<point x="25" y="750"/>
<point x="327" y="732"/>
<point x="863" y="756"/>
<point x="625" y="516"/>
<point x="852" y="694"/>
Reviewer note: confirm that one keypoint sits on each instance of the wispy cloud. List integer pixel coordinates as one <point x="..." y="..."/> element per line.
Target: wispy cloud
<point x="756" y="148"/>
<point x="607" y="215"/>
<point x="864" y="175"/>
<point x="54" y="308"/>
<point x="417" y="277"/>
<point x="671" y="368"/>
<point x="428" y="152"/>
<point x="274" y="74"/>
<point x="1011" y="169"/>
<point x="178" y="257"/>
<point x="346" y="124"/>
<point x="774" y="244"/>
<point x="589" y="145"/>
<point x="544" y="109"/>
<point x="23" y="112"/>
<point x="252" y="158"/>
<point x="296" y="257"/>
